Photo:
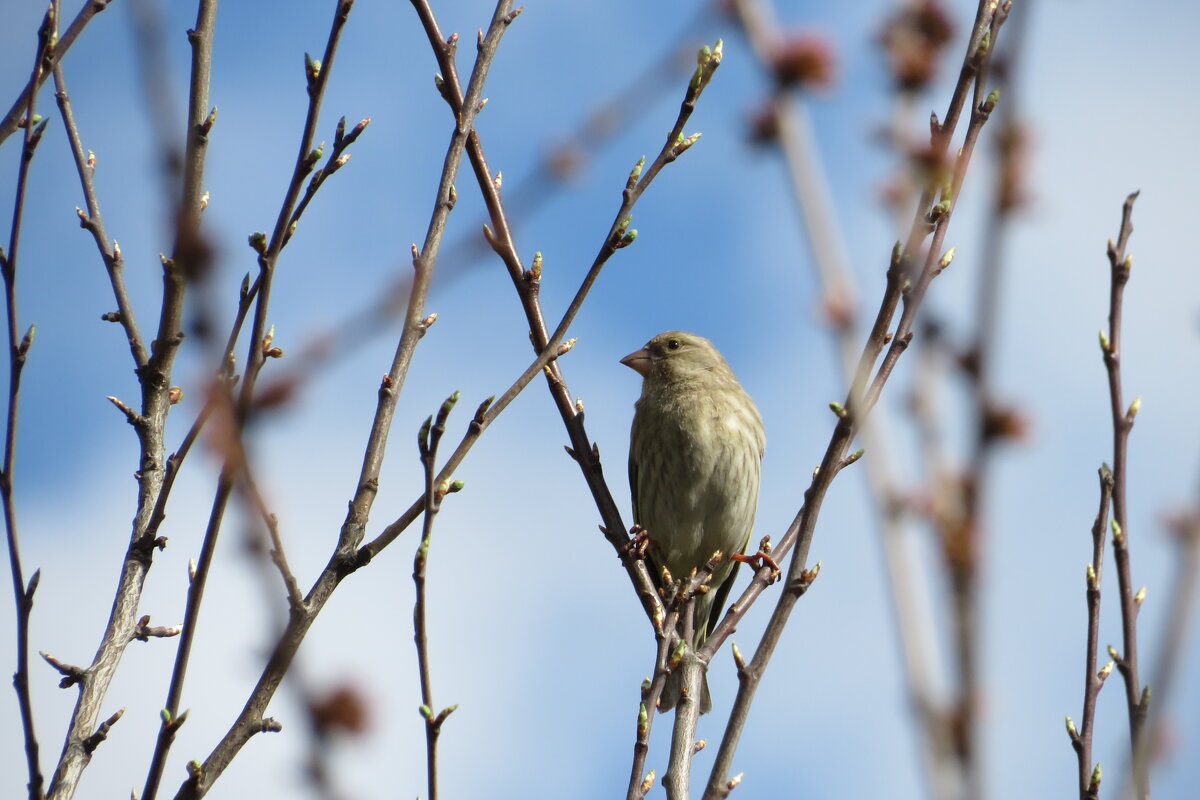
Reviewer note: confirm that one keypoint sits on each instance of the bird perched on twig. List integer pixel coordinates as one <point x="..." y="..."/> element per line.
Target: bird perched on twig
<point x="695" y="458"/>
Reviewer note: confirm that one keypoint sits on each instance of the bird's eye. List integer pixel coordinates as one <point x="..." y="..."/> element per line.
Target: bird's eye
<point x="673" y="344"/>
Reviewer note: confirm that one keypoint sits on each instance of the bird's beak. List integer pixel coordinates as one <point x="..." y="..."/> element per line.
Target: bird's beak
<point x="639" y="362"/>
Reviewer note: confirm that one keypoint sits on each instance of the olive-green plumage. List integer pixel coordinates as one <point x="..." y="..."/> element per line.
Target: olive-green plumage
<point x="695" y="458"/>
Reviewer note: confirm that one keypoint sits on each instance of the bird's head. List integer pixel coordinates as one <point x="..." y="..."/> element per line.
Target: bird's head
<point x="676" y="355"/>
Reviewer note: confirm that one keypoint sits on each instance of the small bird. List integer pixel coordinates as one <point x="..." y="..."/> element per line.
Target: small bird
<point x="695" y="457"/>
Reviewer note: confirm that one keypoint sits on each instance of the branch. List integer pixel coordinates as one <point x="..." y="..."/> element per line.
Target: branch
<point x="790" y="123"/>
<point x="91" y="221"/>
<point x="12" y="121"/>
<point x="1081" y="739"/>
<point x="427" y="440"/>
<point x="1137" y="697"/>
<point x="1181" y="606"/>
<point x="259" y="350"/>
<point x="345" y="559"/>
<point x="861" y="397"/>
<point x="528" y="284"/>
<point x="18" y="348"/>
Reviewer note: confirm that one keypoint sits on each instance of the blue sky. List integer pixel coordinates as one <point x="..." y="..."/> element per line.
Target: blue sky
<point x="536" y="634"/>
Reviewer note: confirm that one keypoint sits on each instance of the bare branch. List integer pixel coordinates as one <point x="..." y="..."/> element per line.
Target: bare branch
<point x="861" y="397"/>
<point x="345" y="559"/>
<point x="1081" y="738"/>
<point x="1137" y="697"/>
<point x="12" y="120"/>
<point x="18" y="349"/>
<point x="114" y="264"/>
<point x="427" y="440"/>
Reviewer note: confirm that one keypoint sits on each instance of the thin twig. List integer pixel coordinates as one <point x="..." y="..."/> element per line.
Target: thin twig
<point x="12" y="120"/>
<point x="259" y="349"/>
<point x="110" y="252"/>
<point x="427" y="440"/>
<point x="860" y="398"/>
<point x="345" y="559"/>
<point x="798" y="146"/>
<point x="18" y="349"/>
<point x="1137" y="697"/>
<point x="1081" y="738"/>
<point x="1176" y="631"/>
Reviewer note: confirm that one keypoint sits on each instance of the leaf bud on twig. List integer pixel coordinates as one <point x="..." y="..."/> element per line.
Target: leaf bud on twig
<point x="1140" y="596"/>
<point x="1135" y="407"/>
<point x="1113" y="654"/>
<point x="647" y="783"/>
<point x="258" y="242"/>
<point x="989" y="105"/>
<point x="1105" y="671"/>
<point x="635" y="174"/>
<point x="1118" y="534"/>
<point x="1095" y="783"/>
<point x="1105" y="345"/>
<point x="1071" y="727"/>
<point x="677" y="654"/>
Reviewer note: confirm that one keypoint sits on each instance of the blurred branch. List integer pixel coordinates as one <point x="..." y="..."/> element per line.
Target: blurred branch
<point x="791" y="126"/>
<point x="1176" y="633"/>
<point x="1137" y="697"/>
<point x="18" y="349"/>
<point x="427" y="441"/>
<point x="344" y="561"/>
<point x="259" y="350"/>
<point x="1081" y="739"/>
<point x="904" y="284"/>
<point x="12" y="120"/>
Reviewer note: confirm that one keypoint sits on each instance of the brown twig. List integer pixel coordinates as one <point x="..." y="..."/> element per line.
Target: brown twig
<point x="18" y="349"/>
<point x="345" y="559"/>
<point x="1081" y="738"/>
<point x="863" y="396"/>
<point x="798" y="146"/>
<point x="259" y="351"/>
<point x="427" y="441"/>
<point x="12" y="120"/>
<point x="1181" y="606"/>
<point x="524" y="197"/>
<point x="91" y="221"/>
<point x="528" y="286"/>
<point x="1137" y="697"/>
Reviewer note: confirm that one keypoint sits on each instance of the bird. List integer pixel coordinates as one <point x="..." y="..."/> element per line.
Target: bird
<point x="695" y="460"/>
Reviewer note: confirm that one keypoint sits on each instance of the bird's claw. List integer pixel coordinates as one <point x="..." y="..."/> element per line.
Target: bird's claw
<point x="759" y="560"/>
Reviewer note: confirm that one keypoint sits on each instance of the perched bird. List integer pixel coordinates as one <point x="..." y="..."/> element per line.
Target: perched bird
<point x="695" y="456"/>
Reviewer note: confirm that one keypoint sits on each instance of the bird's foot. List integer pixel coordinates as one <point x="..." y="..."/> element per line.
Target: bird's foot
<point x="761" y="559"/>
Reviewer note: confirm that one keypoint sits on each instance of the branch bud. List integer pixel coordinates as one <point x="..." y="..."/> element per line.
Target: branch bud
<point x="946" y="259"/>
<point x="1118" y="534"/>
<point x="1134" y="407"/>
<point x="635" y="174"/>
<point x="1105" y="345"/>
<point x="1105" y="671"/>
<point x="1071" y="731"/>
<point x="1140" y="597"/>
<point x="838" y="410"/>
